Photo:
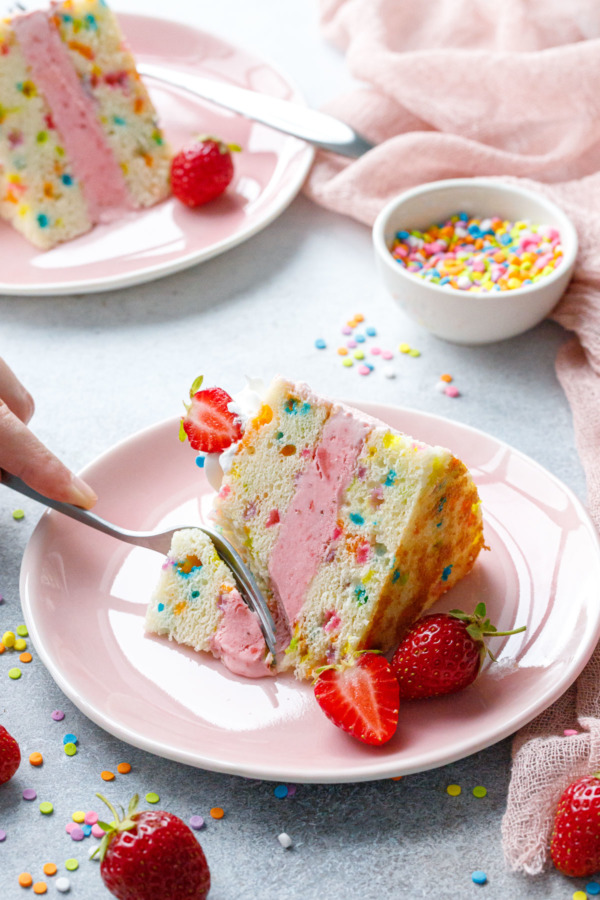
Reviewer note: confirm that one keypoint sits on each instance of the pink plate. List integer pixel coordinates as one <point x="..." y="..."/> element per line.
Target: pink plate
<point x="169" y="237"/>
<point x="84" y="598"/>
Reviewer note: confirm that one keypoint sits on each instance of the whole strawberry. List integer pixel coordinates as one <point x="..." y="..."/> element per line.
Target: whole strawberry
<point x="575" y="846"/>
<point x="202" y="170"/>
<point x="443" y="652"/>
<point x="360" y="697"/>
<point x="150" y="855"/>
<point x="10" y="755"/>
<point x="208" y="424"/>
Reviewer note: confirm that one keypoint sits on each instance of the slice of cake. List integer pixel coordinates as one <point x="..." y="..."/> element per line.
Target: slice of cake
<point x="79" y="139"/>
<point x="197" y="603"/>
<point x="351" y="528"/>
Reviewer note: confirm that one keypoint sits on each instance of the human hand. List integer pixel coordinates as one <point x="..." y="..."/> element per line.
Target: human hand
<point x="23" y="455"/>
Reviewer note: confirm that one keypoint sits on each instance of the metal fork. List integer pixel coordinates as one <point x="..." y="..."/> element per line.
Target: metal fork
<point x="161" y="542"/>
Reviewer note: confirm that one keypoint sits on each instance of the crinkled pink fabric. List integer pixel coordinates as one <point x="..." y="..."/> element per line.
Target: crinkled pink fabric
<point x="456" y="88"/>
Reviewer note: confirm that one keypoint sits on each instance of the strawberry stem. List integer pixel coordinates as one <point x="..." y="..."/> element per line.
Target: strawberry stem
<point x="119" y="823"/>
<point x="479" y="627"/>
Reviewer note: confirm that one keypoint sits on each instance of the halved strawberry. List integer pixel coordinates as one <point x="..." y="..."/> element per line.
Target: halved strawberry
<point x="362" y="698"/>
<point x="208" y="423"/>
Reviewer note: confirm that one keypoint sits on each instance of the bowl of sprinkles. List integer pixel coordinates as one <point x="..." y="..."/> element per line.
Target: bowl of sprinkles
<point x="474" y="260"/>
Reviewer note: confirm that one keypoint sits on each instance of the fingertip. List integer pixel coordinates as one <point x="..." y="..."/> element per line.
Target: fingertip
<point x="81" y="494"/>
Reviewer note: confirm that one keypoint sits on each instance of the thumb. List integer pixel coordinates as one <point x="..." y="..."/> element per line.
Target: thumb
<point x="23" y="454"/>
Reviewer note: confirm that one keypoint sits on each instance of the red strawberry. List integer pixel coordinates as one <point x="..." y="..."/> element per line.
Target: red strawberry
<point x="208" y="424"/>
<point x="443" y="652"/>
<point x="10" y="755"/>
<point x="151" y="854"/>
<point x="575" y="846"/>
<point x="202" y="170"/>
<point x="361" y="698"/>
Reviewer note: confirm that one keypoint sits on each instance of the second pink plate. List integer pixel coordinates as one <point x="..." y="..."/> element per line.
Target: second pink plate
<point x="169" y="237"/>
<point x="84" y="597"/>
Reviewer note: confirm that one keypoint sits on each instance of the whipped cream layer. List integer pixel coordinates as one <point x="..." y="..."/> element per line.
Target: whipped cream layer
<point x="310" y="522"/>
<point x="95" y="166"/>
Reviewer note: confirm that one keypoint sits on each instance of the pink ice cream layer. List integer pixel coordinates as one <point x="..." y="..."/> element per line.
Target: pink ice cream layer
<point x="238" y="641"/>
<point x="310" y="521"/>
<point x="94" y="164"/>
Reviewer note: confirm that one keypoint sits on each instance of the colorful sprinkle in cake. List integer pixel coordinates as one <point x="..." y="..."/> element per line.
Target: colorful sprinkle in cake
<point x="351" y="528"/>
<point x="79" y="138"/>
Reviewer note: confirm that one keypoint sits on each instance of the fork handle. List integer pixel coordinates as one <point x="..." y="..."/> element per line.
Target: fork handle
<point x="68" y="509"/>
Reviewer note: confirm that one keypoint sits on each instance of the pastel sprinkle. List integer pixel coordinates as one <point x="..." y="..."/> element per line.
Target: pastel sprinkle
<point x="87" y="830"/>
<point x="107" y="776"/>
<point x="22" y="631"/>
<point x="20" y="644"/>
<point x="70" y="826"/>
<point x="404" y="348"/>
<point x="359" y="317"/>
<point x="479" y="791"/>
<point x="454" y="790"/>
<point x="69" y="739"/>
<point x="151" y="797"/>
<point x="479" y="255"/>
<point x="70" y="749"/>
<point x="441" y="387"/>
<point x="320" y="344"/>
<point x="97" y="831"/>
<point x="348" y="362"/>
<point x="447" y="378"/>
<point x="387" y="354"/>
<point x="479" y="877"/>
<point x="291" y="788"/>
<point x="78" y="816"/>
<point x="36" y="759"/>
<point x="360" y="338"/>
<point x="196" y="822"/>
<point x="25" y="657"/>
<point x="593" y="888"/>
<point x="14" y="673"/>
<point x="58" y="715"/>
<point x="46" y="808"/>
<point x="389" y="372"/>
<point x="364" y="370"/>
<point x="375" y="351"/>
<point x="351" y="344"/>
<point x="124" y="768"/>
<point x="371" y="331"/>
<point x="63" y="885"/>
<point x="8" y="639"/>
<point x="18" y="514"/>
<point x="71" y="864"/>
<point x="25" y="879"/>
<point x="569" y="732"/>
<point x="2" y="836"/>
<point x="29" y="794"/>
<point x="281" y="791"/>
<point x="580" y="895"/>
<point x="342" y="351"/>
<point x="359" y="354"/>
<point x="451" y="391"/>
<point x="285" y="840"/>
<point x="347" y="329"/>
<point x="50" y="869"/>
<point x="414" y="352"/>
<point x="217" y="813"/>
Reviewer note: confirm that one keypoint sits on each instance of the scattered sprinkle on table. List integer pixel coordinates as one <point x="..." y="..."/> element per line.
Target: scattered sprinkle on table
<point x="18" y="514"/>
<point x="479" y="791"/>
<point x="479" y="255"/>
<point x="8" y="639"/>
<point x="22" y="631"/>
<point x="593" y="888"/>
<point x="25" y="879"/>
<point x="69" y="739"/>
<point x="58" y="715"/>
<point x="107" y="776"/>
<point x="97" y="831"/>
<point x="78" y="816"/>
<point x="50" y="869"/>
<point x="580" y="895"/>
<point x="285" y="840"/>
<point x="2" y="835"/>
<point x="90" y="818"/>
<point x="281" y="791"/>
<point x="25" y="657"/>
<point x="196" y="822"/>
<point x="29" y="794"/>
<point x="70" y="749"/>
<point x="77" y="833"/>
<point x="20" y="644"/>
<point x="46" y="808"/>
<point x="479" y="877"/>
<point x="152" y="797"/>
<point x="291" y="789"/>
<point x="124" y="768"/>
<point x="454" y="790"/>
<point x="320" y="344"/>
<point x="14" y="673"/>
<point x="36" y="759"/>
<point x="71" y="864"/>
<point x="63" y="884"/>
<point x="217" y="813"/>
<point x="569" y="732"/>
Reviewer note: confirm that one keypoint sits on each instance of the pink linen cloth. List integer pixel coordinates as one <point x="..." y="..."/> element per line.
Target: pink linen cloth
<point x="471" y="87"/>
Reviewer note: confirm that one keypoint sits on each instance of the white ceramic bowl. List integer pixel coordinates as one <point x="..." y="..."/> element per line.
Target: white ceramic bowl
<point x="461" y="316"/>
